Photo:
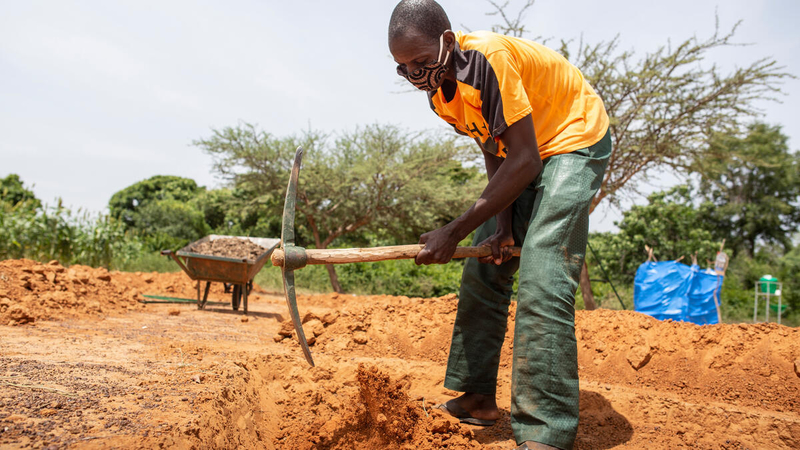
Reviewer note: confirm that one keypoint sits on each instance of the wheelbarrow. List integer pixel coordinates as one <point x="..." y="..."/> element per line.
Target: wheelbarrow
<point x="236" y="274"/>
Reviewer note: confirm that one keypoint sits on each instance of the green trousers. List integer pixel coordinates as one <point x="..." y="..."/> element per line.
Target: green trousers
<point x="551" y="222"/>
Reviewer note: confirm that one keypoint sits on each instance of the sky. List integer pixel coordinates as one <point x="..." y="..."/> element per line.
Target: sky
<point x="98" y="95"/>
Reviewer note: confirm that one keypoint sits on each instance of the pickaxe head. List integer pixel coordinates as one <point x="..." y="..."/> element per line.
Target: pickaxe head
<point x="294" y="257"/>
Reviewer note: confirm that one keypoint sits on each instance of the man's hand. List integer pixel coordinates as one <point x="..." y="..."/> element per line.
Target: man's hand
<point x="500" y="242"/>
<point x="440" y="245"/>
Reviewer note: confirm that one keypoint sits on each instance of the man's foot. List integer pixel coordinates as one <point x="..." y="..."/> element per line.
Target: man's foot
<point x="474" y="409"/>
<point x="531" y="445"/>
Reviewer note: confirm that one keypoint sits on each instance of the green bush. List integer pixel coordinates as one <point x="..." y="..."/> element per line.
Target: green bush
<point x="400" y="277"/>
<point x="144" y="261"/>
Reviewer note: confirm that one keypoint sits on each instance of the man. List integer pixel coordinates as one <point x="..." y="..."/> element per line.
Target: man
<point x="544" y="136"/>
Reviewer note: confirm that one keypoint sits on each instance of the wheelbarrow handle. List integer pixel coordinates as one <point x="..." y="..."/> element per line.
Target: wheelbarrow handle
<point x="172" y="255"/>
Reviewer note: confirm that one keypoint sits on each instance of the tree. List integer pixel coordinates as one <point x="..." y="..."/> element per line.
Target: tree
<point x="177" y="222"/>
<point x="788" y="269"/>
<point x="125" y="204"/>
<point x="754" y="181"/>
<point x="378" y="179"/>
<point x="664" y="105"/>
<point x="671" y="224"/>
<point x="164" y="209"/>
<point x="12" y="192"/>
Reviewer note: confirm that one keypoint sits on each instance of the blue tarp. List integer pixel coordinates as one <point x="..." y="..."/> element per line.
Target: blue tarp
<point x="671" y="290"/>
<point x="702" y="310"/>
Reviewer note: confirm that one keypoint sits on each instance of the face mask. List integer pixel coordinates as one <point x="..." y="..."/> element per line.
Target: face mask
<point x="429" y="76"/>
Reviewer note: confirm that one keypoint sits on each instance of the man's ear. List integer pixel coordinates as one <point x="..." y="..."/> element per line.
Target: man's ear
<point x="449" y="41"/>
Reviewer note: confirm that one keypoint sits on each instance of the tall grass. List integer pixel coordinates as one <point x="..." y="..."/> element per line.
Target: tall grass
<point x="57" y="233"/>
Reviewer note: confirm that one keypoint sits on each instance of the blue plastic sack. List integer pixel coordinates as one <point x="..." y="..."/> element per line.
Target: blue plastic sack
<point x="702" y="308"/>
<point x="671" y="290"/>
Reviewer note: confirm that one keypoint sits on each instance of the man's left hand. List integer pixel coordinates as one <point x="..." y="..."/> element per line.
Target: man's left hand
<point x="440" y="245"/>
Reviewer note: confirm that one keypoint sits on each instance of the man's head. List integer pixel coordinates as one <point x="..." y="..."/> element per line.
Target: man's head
<point x="421" y="42"/>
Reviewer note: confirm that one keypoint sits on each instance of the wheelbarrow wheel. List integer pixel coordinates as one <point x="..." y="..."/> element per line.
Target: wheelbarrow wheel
<point x="236" y="296"/>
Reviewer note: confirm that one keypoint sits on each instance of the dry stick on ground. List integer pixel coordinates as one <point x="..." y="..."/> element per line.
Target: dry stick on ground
<point x="39" y="387"/>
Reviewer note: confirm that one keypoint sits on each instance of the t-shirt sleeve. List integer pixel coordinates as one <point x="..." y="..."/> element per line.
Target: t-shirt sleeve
<point x="503" y="97"/>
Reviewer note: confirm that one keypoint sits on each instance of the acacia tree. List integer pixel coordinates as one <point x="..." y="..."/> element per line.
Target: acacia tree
<point x="379" y="179"/>
<point x="663" y="105"/>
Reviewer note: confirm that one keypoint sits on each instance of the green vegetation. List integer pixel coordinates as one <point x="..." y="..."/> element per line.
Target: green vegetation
<point x="401" y="277"/>
<point x="45" y="233"/>
<point x="753" y="181"/>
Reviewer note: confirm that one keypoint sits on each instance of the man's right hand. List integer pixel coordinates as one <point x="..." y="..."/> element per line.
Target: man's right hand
<point x="500" y="242"/>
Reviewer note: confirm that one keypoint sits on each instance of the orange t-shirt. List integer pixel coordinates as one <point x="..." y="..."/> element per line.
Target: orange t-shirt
<point x="502" y="79"/>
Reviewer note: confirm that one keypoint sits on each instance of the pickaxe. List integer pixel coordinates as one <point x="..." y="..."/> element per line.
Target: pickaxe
<point x="290" y="257"/>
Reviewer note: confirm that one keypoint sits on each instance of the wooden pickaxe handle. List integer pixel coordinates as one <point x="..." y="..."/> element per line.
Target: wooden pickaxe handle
<point x="354" y="255"/>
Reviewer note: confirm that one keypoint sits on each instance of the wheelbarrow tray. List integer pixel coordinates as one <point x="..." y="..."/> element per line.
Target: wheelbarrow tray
<point x="225" y="270"/>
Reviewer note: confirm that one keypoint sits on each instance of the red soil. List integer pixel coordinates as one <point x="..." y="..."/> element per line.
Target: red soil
<point x="83" y="364"/>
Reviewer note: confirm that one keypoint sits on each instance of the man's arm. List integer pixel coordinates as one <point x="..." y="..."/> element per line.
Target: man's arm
<point x="520" y="168"/>
<point x="503" y="231"/>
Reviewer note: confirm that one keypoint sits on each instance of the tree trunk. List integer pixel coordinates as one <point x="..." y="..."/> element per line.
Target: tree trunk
<point x="586" y="288"/>
<point x="312" y="223"/>
<point x="585" y="282"/>
<point x="334" y="278"/>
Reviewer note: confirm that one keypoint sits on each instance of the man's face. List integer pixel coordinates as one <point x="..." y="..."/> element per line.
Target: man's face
<point x="413" y="50"/>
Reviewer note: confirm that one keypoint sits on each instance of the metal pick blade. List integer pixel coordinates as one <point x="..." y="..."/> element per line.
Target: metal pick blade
<point x="291" y="301"/>
<point x="287" y="240"/>
<point x="287" y="231"/>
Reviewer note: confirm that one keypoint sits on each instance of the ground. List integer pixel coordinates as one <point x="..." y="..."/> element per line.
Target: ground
<point x="85" y="364"/>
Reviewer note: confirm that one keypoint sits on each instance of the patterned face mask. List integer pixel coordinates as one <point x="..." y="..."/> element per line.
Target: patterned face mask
<point x="429" y="76"/>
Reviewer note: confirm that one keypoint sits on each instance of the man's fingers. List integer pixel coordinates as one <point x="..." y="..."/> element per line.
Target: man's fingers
<point x="421" y="257"/>
<point x="507" y="254"/>
<point x="497" y="254"/>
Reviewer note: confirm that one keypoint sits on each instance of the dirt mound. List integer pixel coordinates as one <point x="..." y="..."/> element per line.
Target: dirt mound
<point x="376" y="325"/>
<point x="695" y="367"/>
<point x="752" y="365"/>
<point x="31" y="291"/>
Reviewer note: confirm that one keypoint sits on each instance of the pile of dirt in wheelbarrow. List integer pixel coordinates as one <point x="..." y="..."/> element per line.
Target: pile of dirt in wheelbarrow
<point x="229" y="248"/>
<point x="31" y="291"/>
<point x="148" y="378"/>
